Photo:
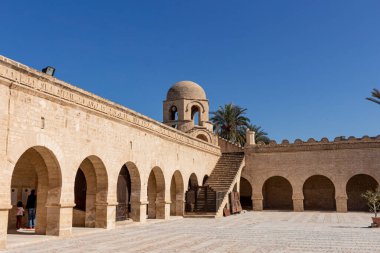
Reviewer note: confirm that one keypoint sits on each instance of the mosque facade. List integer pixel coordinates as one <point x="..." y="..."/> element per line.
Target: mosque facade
<point x="94" y="163"/>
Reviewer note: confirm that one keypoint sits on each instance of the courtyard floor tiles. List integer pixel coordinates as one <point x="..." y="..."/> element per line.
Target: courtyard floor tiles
<point x="260" y="232"/>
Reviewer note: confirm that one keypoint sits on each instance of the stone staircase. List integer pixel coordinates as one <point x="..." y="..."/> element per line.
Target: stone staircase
<point x="211" y="198"/>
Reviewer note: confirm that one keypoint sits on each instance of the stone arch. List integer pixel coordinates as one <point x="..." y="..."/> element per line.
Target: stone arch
<point x="173" y="113"/>
<point x="204" y="179"/>
<point x="277" y="193"/>
<point x="319" y="193"/>
<point x="128" y="192"/>
<point x="156" y="194"/>
<point x="356" y="186"/>
<point x="195" y="103"/>
<point x="202" y="137"/>
<point x="92" y="189"/>
<point x="193" y="181"/>
<point x="196" y="114"/>
<point x="38" y="169"/>
<point x="176" y="194"/>
<point x="245" y="194"/>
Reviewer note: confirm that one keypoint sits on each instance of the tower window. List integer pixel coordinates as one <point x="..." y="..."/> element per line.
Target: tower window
<point x="195" y="115"/>
<point x="173" y="113"/>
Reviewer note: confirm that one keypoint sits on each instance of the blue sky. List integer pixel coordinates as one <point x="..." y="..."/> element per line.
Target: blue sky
<point x="302" y="68"/>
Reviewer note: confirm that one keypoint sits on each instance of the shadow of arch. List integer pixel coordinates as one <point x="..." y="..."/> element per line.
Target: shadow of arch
<point x="90" y="194"/>
<point x="319" y="193"/>
<point x="277" y="194"/>
<point x="245" y="194"/>
<point x="156" y="194"/>
<point x="203" y="137"/>
<point x="128" y="193"/>
<point x="204" y="179"/>
<point x="193" y="181"/>
<point x="37" y="168"/>
<point x="356" y="186"/>
<point x="177" y="194"/>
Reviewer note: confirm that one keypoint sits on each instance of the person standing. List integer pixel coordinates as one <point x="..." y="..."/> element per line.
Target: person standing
<point x="31" y="206"/>
<point x="19" y="214"/>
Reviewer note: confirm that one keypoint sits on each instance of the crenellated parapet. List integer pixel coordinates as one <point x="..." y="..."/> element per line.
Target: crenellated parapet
<point x="311" y="144"/>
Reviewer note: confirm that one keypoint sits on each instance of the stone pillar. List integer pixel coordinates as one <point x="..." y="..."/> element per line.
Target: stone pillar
<point x="180" y="203"/>
<point x="257" y="203"/>
<point x="250" y="137"/>
<point x="138" y="211"/>
<point x="341" y="204"/>
<point x="101" y="215"/>
<point x="298" y="200"/>
<point x="298" y="204"/>
<point x="3" y="226"/>
<point x="111" y="215"/>
<point x="59" y="219"/>
<point x="163" y="209"/>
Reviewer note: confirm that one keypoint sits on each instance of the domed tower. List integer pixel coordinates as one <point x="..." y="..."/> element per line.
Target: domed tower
<point x="186" y="108"/>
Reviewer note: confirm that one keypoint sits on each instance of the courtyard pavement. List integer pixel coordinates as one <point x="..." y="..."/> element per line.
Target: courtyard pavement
<point x="248" y="232"/>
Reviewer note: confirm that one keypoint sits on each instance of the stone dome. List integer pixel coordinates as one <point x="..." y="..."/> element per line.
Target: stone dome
<point x="186" y="90"/>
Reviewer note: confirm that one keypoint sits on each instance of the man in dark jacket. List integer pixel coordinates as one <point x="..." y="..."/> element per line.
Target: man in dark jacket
<point x="31" y="206"/>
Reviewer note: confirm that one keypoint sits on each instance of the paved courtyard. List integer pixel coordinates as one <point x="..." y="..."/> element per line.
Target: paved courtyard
<point x="247" y="232"/>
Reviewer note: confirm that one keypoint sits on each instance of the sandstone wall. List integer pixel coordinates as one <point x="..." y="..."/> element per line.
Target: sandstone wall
<point x="336" y="161"/>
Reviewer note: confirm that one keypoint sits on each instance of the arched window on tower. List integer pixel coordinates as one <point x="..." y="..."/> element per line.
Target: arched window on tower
<point x="173" y="115"/>
<point x="195" y="115"/>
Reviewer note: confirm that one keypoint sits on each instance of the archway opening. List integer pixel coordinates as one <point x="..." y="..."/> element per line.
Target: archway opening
<point x="90" y="194"/>
<point x="128" y="193"/>
<point x="156" y="194"/>
<point x="193" y="182"/>
<point x="202" y="137"/>
<point x="195" y="117"/>
<point x="123" y="194"/>
<point x="173" y="113"/>
<point x="277" y="193"/>
<point x="204" y="180"/>
<point x="319" y="194"/>
<point x="245" y="194"/>
<point x="176" y="194"/>
<point x="37" y="169"/>
<point x="356" y="186"/>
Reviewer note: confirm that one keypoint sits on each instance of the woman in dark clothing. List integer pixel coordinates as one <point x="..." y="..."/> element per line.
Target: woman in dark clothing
<point x="31" y="206"/>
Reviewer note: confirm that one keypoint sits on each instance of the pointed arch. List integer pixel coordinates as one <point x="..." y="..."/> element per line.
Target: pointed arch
<point x="277" y="193"/>
<point x="177" y="194"/>
<point x="156" y="194"/>
<point x="38" y="169"/>
<point x="93" y="191"/>
<point x="319" y="193"/>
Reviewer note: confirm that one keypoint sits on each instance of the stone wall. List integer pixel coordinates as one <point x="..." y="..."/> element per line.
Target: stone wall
<point x="66" y="125"/>
<point x="335" y="162"/>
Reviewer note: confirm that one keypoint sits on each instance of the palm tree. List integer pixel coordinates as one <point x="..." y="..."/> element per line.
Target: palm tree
<point x="230" y="123"/>
<point x="260" y="135"/>
<point x="375" y="96"/>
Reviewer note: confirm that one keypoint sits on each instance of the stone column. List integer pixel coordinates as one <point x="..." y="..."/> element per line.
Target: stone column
<point x="59" y="220"/>
<point x="101" y="215"/>
<point x="3" y="226"/>
<point x="298" y="202"/>
<point x="180" y="203"/>
<point x="341" y="204"/>
<point x="257" y="203"/>
<point x="163" y="209"/>
<point x="138" y="211"/>
<point x="111" y="215"/>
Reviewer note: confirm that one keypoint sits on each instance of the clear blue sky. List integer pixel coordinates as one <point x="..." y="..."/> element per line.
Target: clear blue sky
<point x="302" y="68"/>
